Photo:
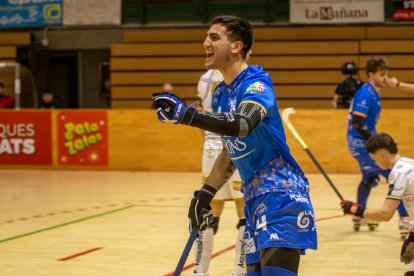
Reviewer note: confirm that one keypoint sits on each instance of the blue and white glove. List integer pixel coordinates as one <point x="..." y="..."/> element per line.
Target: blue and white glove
<point x="170" y="108"/>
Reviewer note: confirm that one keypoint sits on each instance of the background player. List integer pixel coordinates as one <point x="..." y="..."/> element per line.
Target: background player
<point x="363" y="118"/>
<point x="213" y="145"/>
<point x="384" y="151"/>
<point x="280" y="222"/>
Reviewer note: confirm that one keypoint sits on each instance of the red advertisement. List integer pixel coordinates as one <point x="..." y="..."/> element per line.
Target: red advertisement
<point x="403" y="10"/>
<point x="25" y="138"/>
<point x="82" y="138"/>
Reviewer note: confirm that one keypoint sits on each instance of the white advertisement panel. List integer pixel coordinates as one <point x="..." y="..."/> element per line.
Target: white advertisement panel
<point x="91" y="12"/>
<point x="336" y="11"/>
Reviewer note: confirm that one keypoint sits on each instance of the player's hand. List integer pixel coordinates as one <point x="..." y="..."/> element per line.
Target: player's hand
<point x="352" y="208"/>
<point x="407" y="249"/>
<point x="170" y="108"/>
<point x="392" y="82"/>
<point x="199" y="211"/>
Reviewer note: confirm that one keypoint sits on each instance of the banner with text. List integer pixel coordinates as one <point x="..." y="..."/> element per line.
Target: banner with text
<point x="82" y="138"/>
<point x="403" y="10"/>
<point x="336" y="11"/>
<point x="25" y="138"/>
<point x="30" y="13"/>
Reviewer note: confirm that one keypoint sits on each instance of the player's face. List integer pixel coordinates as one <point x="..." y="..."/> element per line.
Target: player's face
<point x="381" y="158"/>
<point x="379" y="78"/>
<point x="217" y="47"/>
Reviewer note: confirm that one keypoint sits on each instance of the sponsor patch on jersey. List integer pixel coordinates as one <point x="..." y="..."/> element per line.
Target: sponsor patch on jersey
<point x="255" y="88"/>
<point x="391" y="178"/>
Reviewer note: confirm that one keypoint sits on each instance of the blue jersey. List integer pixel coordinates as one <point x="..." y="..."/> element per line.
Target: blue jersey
<point x="263" y="157"/>
<point x="366" y="103"/>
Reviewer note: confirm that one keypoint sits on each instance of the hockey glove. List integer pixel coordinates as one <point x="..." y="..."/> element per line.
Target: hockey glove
<point x="171" y="109"/>
<point x="352" y="208"/>
<point x="407" y="249"/>
<point x="199" y="211"/>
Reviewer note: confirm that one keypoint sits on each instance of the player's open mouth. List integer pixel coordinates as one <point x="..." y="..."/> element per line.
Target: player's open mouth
<point x="209" y="55"/>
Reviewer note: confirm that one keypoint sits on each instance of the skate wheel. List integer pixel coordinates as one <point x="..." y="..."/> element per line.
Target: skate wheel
<point x="403" y="236"/>
<point x="356" y="228"/>
<point x="372" y="227"/>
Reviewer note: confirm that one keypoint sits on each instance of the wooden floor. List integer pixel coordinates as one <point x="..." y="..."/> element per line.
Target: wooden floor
<point x="134" y="223"/>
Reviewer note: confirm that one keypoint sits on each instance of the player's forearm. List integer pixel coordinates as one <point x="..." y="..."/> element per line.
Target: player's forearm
<point x="239" y="124"/>
<point x="409" y="87"/>
<point x="378" y="214"/>
<point x="222" y="170"/>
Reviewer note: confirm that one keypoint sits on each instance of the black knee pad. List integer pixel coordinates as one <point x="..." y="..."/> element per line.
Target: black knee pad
<point x="215" y="224"/>
<point x="286" y="258"/>
<point x="409" y="273"/>
<point x="242" y="222"/>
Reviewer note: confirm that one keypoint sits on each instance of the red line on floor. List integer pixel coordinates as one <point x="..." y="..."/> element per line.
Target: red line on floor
<point x="80" y="254"/>
<point x="189" y="266"/>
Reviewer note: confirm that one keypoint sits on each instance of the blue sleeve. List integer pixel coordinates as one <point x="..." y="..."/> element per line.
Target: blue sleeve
<point x="259" y="92"/>
<point x="362" y="102"/>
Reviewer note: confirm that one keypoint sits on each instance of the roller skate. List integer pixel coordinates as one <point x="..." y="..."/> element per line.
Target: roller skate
<point x="372" y="225"/>
<point x="404" y="225"/>
<point x="357" y="222"/>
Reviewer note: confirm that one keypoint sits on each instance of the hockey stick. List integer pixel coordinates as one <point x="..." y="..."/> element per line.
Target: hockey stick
<point x="186" y="251"/>
<point x="285" y="116"/>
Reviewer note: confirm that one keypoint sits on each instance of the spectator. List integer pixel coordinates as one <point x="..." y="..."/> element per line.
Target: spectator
<point x="5" y="100"/>
<point x="168" y="88"/>
<point x="48" y="100"/>
<point x="346" y="89"/>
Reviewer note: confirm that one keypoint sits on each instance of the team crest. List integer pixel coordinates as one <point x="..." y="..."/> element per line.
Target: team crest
<point x="255" y="88"/>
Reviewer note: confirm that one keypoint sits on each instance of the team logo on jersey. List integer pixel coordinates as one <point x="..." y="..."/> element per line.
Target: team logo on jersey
<point x="249" y="246"/>
<point x="304" y="219"/>
<point x="255" y="88"/>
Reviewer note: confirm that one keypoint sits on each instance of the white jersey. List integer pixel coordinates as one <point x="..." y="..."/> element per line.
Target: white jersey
<point x="205" y="88"/>
<point x="401" y="183"/>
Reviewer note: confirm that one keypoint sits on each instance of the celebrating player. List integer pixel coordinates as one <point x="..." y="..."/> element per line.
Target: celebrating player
<point x="230" y="191"/>
<point x="280" y="222"/>
<point x="363" y="118"/>
<point x="384" y="151"/>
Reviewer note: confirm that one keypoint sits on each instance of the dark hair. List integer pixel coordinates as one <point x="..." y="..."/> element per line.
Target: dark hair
<point x="1" y="85"/>
<point x="376" y="63"/>
<point x="381" y="141"/>
<point x="349" y="68"/>
<point x="238" y="30"/>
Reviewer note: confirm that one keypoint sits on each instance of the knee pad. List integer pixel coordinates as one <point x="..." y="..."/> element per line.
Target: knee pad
<point x="409" y="273"/>
<point x="276" y="271"/>
<point x="215" y="224"/>
<point x="242" y="222"/>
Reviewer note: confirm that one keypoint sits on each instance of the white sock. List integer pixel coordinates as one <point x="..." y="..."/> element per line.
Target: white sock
<point x="240" y="260"/>
<point x="203" y="250"/>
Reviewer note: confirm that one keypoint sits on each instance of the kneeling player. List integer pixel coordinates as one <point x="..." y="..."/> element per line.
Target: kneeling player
<point x="384" y="151"/>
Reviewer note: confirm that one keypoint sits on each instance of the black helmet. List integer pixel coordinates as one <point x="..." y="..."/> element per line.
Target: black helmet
<point x="349" y="68"/>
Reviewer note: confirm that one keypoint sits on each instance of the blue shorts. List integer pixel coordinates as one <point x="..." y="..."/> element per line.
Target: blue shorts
<point x="367" y="166"/>
<point x="278" y="219"/>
